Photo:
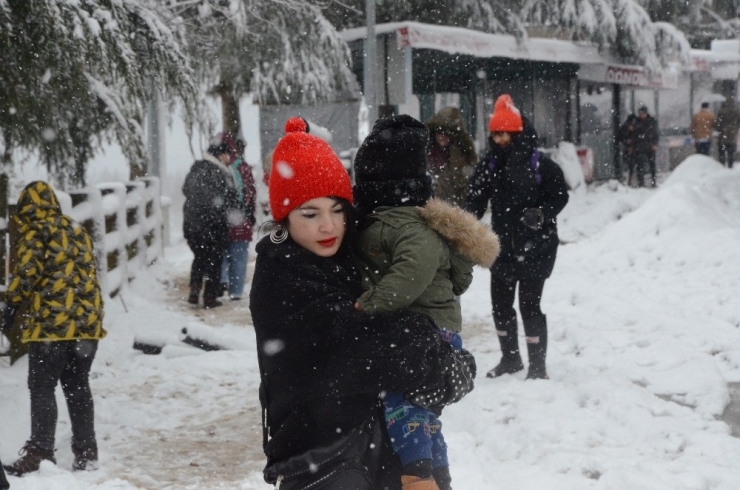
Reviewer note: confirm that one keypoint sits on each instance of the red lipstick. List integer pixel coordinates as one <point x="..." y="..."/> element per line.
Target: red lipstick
<point x="328" y="243"/>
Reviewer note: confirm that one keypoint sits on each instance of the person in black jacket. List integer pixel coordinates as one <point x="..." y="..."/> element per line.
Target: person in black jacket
<point x="646" y="138"/>
<point x="210" y="196"/>
<point x="526" y="190"/>
<point x="324" y="364"/>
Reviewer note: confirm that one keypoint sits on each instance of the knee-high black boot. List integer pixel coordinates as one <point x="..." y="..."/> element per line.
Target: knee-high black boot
<point x="535" y="329"/>
<point x="511" y="360"/>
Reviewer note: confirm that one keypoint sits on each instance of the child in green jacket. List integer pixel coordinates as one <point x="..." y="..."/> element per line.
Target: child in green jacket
<point x="415" y="253"/>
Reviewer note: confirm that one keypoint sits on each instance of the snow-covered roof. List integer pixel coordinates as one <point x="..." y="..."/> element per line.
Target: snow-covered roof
<point x="458" y="40"/>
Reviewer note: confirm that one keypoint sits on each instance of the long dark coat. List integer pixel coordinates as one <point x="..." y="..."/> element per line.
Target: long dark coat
<point x="505" y="177"/>
<point x="209" y="195"/>
<point x="323" y="363"/>
<point x="646" y="135"/>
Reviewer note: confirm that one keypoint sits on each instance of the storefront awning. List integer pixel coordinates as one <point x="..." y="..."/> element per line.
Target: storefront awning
<point x="458" y="40"/>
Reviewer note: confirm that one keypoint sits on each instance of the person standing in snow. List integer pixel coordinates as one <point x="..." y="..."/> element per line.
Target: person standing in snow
<point x="626" y="136"/>
<point x="417" y="253"/>
<point x="702" y="127"/>
<point x="728" y="122"/>
<point x="55" y="281"/>
<point x="646" y="145"/>
<point x="323" y="364"/>
<point x="210" y="197"/>
<point x="234" y="266"/>
<point x="452" y="156"/>
<point x="526" y="190"/>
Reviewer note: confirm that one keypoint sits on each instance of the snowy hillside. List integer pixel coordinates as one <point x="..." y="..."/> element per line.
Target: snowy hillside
<point x="645" y="337"/>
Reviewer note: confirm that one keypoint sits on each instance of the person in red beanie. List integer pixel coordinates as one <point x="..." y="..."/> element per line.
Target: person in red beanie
<point x="323" y="364"/>
<point x="526" y="191"/>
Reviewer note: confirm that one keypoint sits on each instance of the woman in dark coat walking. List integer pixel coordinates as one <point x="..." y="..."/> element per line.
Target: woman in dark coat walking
<point x="210" y="195"/>
<point x="526" y="190"/>
<point x="323" y="364"/>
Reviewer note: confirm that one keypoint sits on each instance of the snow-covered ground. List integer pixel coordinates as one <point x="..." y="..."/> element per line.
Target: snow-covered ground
<point x="644" y="339"/>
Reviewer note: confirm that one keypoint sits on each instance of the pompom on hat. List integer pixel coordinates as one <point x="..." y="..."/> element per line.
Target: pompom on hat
<point x="506" y="117"/>
<point x="304" y="167"/>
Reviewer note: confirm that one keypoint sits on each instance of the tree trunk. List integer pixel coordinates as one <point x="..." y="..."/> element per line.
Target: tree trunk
<point x="229" y="108"/>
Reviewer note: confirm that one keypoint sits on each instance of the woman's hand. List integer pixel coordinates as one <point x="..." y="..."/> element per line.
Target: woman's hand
<point x="459" y="372"/>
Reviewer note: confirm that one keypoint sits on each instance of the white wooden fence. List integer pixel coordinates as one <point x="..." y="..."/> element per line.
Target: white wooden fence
<point x="125" y="221"/>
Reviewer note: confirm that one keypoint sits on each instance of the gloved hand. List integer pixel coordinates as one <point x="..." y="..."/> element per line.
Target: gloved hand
<point x="533" y="218"/>
<point x="8" y="318"/>
<point x="459" y="370"/>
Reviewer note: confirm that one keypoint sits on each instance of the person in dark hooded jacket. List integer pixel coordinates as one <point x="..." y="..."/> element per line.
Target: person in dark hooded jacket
<point x="526" y="190"/>
<point x="55" y="281"/>
<point x="210" y="197"/>
<point x="452" y="155"/>
<point x="323" y="364"/>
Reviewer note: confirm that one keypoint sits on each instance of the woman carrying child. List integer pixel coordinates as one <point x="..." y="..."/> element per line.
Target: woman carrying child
<point x="323" y="364"/>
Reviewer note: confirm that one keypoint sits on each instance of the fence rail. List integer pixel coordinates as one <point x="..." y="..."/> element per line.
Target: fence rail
<point x="125" y="221"/>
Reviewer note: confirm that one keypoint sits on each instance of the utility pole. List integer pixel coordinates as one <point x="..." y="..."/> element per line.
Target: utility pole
<point x="371" y="56"/>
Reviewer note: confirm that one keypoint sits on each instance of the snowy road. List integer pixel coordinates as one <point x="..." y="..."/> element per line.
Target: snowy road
<point x="645" y="337"/>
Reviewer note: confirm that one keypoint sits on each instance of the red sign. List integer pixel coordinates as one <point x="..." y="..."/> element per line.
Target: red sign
<point x="625" y="76"/>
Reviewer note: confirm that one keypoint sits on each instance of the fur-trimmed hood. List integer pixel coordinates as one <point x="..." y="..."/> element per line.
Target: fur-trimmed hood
<point x="469" y="236"/>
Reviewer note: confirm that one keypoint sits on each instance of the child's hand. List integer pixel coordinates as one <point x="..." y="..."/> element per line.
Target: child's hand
<point x="358" y="306"/>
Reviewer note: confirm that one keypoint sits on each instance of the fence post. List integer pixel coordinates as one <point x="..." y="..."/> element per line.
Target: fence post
<point x="113" y="211"/>
<point x="87" y="210"/>
<point x="135" y="244"/>
<point x="155" y="228"/>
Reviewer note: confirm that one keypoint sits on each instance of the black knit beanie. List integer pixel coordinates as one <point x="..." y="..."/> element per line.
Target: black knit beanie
<point x="391" y="165"/>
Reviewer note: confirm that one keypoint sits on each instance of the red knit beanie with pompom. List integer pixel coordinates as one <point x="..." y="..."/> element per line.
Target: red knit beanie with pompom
<point x="304" y="167"/>
<point x="506" y="116"/>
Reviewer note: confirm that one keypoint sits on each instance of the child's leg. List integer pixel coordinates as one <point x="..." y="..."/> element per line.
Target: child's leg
<point x="440" y="463"/>
<point x="410" y="435"/>
<point x="452" y="338"/>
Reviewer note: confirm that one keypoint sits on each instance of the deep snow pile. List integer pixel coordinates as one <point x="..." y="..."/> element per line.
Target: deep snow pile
<point x="644" y="337"/>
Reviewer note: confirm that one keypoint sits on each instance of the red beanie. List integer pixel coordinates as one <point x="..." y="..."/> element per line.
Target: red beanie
<point x="506" y="116"/>
<point x="304" y="167"/>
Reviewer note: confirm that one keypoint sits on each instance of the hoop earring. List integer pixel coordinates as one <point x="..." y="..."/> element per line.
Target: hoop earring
<point x="278" y="234"/>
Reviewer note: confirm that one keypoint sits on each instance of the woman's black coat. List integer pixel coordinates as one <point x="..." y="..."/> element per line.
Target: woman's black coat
<point x="209" y="196"/>
<point x="506" y="178"/>
<point x="323" y="363"/>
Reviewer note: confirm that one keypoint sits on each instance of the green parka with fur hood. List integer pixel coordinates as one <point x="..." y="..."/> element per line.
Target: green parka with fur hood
<point x="452" y="166"/>
<point x="420" y="258"/>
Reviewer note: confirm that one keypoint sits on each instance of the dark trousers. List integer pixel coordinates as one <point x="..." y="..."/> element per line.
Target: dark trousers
<point x="703" y="147"/>
<point x="207" y="260"/>
<point x="502" y="297"/>
<point x="645" y="159"/>
<point x="4" y="485"/>
<point x="727" y="154"/>
<point x="67" y="361"/>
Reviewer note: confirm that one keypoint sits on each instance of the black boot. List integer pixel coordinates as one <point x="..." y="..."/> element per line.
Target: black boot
<point x="194" y="295"/>
<point x="86" y="458"/>
<point x="210" y="293"/>
<point x="511" y="360"/>
<point x="536" y="330"/>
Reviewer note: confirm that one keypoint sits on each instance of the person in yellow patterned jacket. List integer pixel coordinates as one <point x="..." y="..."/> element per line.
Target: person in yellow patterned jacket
<point x="55" y="284"/>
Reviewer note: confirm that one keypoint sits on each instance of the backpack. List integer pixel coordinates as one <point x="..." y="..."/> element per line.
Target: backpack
<point x="534" y="163"/>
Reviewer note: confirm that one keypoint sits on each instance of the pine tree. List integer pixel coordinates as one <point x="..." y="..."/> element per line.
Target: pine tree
<point x="75" y="74"/>
<point x="283" y="51"/>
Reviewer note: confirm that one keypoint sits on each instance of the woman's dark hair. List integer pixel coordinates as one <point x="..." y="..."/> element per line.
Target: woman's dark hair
<point x="351" y="218"/>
